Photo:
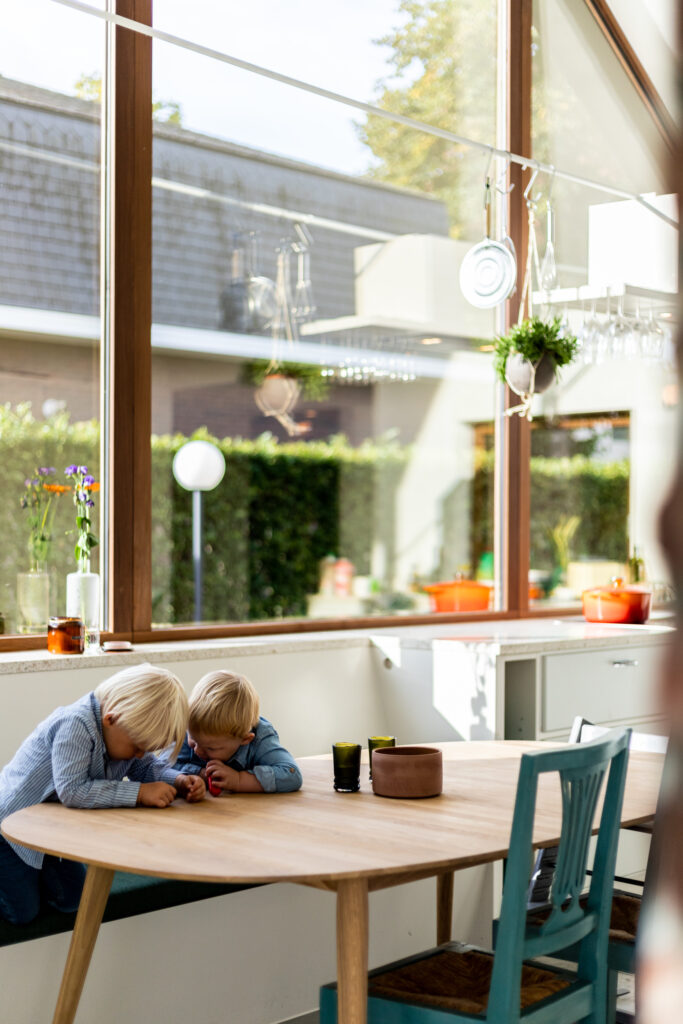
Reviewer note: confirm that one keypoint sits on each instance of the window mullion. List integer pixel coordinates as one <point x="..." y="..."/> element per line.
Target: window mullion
<point x="129" y="316"/>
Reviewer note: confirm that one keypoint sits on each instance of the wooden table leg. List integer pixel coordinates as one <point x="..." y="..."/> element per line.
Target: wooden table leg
<point x="444" y="907"/>
<point x="352" y="951"/>
<point x="88" y="920"/>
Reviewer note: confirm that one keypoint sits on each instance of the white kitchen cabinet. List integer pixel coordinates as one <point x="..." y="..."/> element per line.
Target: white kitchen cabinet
<point x="521" y="679"/>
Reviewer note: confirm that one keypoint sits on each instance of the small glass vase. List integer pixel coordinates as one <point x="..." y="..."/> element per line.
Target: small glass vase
<point x="33" y="599"/>
<point x="83" y="601"/>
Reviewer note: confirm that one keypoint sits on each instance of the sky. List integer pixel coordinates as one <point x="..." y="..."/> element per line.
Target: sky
<point x="303" y="38"/>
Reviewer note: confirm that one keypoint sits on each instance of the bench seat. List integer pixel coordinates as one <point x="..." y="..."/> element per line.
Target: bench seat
<point x="129" y="895"/>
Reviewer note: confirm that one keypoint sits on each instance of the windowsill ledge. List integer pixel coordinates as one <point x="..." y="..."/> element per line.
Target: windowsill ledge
<point x="518" y="636"/>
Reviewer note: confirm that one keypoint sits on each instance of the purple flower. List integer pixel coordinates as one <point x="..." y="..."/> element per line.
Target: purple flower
<point x="28" y="482"/>
<point x="90" y="503"/>
<point x="70" y="470"/>
<point x="82" y="469"/>
<point x="81" y="496"/>
<point x="88" y="481"/>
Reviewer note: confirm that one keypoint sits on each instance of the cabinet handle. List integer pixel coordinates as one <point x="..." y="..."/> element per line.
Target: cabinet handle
<point x="624" y="664"/>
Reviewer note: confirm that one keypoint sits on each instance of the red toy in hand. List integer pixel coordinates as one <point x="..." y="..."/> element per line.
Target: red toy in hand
<point x="213" y="787"/>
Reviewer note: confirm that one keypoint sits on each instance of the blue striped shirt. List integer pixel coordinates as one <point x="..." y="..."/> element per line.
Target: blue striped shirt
<point x="65" y="759"/>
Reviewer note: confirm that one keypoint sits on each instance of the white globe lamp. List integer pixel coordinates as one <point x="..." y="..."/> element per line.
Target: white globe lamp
<point x="198" y="466"/>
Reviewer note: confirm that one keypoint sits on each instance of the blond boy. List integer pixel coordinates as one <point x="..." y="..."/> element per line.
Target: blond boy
<point x="93" y="753"/>
<point x="230" y="745"/>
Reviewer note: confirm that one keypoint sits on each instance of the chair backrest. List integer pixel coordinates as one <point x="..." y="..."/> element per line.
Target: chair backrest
<point x="583" y="731"/>
<point x="582" y="770"/>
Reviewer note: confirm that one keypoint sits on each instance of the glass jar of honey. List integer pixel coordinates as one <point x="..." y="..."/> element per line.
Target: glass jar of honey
<point x="65" y="635"/>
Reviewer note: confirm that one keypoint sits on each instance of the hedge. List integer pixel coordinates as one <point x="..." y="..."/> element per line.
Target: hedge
<point x="596" y="492"/>
<point x="280" y="509"/>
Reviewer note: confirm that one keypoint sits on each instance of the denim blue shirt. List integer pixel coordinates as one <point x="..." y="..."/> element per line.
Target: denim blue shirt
<point x="65" y="760"/>
<point x="264" y="757"/>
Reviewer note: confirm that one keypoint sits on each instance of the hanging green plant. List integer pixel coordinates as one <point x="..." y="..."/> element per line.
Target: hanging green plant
<point x="531" y="340"/>
<point x="314" y="386"/>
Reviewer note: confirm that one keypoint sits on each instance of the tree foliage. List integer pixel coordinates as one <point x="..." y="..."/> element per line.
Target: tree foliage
<point x="443" y="61"/>
<point x="89" y="87"/>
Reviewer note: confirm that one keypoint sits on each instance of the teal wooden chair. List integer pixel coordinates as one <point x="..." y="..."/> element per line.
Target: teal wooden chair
<point x="626" y="904"/>
<point x="453" y="982"/>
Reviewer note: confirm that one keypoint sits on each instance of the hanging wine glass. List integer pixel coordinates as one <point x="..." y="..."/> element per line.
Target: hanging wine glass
<point x="602" y="336"/>
<point x="653" y="347"/>
<point x="633" y="338"/>
<point x="589" y="336"/>
<point x="619" y="331"/>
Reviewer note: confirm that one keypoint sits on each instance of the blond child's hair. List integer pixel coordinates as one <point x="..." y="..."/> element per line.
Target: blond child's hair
<point x="224" y="704"/>
<point x="150" y="703"/>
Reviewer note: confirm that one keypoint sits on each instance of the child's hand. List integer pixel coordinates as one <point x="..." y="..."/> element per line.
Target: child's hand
<point x="219" y="774"/>
<point x="191" y="787"/>
<point x="156" y="794"/>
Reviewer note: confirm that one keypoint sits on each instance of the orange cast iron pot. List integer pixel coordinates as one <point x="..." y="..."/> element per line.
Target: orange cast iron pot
<point x="458" y="596"/>
<point x="617" y="603"/>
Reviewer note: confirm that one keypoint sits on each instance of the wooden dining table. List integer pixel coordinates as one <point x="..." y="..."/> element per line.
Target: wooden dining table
<point x="350" y="844"/>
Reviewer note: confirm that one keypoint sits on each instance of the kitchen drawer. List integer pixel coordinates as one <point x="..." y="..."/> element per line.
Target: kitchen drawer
<point x="613" y="684"/>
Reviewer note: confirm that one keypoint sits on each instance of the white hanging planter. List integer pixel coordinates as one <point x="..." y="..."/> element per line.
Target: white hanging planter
<point x="83" y="602"/>
<point x="526" y="378"/>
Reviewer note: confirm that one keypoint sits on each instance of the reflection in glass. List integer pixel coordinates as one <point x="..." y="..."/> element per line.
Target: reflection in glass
<point x="307" y="317"/>
<point x="599" y="469"/>
<point x="49" y="298"/>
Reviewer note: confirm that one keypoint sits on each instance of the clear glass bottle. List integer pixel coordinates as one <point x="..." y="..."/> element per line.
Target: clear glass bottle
<point x="636" y="567"/>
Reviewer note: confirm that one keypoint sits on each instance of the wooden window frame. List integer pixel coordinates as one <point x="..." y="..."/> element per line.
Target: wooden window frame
<point x="128" y="373"/>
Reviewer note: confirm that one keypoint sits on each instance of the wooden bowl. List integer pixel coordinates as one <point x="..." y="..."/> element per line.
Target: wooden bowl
<point x="407" y="772"/>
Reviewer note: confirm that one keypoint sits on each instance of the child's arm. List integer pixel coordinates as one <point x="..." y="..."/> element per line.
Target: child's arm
<point x="232" y="781"/>
<point x="274" y="771"/>
<point x="149" y="769"/>
<point x="72" y="748"/>
<point x="274" y="766"/>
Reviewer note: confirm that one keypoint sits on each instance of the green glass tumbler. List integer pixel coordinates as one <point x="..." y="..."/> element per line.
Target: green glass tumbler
<point x="378" y="741"/>
<point x="346" y="760"/>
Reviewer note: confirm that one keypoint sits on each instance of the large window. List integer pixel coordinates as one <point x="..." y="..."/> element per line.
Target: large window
<point x="279" y="272"/>
<point x="601" y="461"/>
<point x="307" y="317"/>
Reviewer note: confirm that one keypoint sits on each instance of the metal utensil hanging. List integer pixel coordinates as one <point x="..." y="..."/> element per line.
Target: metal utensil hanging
<point x="489" y="269"/>
<point x="284" y="325"/>
<point x="548" y="264"/>
<point x="261" y="291"/>
<point x="303" y="305"/>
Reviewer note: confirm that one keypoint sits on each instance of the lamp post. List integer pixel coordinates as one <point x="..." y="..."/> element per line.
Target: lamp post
<point x="198" y="466"/>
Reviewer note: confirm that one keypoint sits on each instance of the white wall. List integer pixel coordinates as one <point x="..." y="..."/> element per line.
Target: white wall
<point x="258" y="956"/>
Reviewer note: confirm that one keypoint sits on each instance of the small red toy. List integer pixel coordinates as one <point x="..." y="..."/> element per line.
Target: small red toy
<point x="213" y="787"/>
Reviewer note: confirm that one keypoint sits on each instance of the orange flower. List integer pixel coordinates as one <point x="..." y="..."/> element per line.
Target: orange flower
<point x="89" y="487"/>
<point x="56" y="488"/>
